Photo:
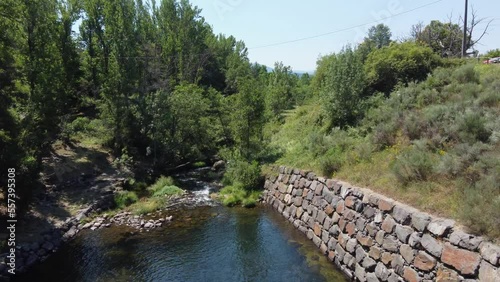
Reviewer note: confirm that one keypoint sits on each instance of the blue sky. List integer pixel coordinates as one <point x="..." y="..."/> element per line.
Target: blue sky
<point x="259" y="23"/>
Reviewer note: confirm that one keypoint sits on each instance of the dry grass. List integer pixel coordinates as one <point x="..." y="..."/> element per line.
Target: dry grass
<point x="435" y="196"/>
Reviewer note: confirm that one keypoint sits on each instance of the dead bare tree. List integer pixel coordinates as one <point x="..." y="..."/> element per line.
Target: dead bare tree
<point x="472" y="26"/>
<point x="445" y="38"/>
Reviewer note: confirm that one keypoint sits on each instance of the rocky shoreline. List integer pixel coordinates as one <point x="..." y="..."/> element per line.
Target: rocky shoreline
<point x="28" y="255"/>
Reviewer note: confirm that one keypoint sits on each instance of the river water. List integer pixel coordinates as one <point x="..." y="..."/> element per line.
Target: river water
<point x="207" y="242"/>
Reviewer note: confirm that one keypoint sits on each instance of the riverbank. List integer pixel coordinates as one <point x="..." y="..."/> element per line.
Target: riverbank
<point x="80" y="182"/>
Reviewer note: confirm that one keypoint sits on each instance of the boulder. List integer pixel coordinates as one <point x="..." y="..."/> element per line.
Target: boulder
<point x="489" y="273"/>
<point x="403" y="233"/>
<point x="420" y="221"/>
<point x="440" y="227"/>
<point x="360" y="273"/>
<point x="431" y="245"/>
<point x="424" y="261"/>
<point x="464" y="261"/>
<point x="390" y="244"/>
<point x="382" y="272"/>
<point x="389" y="224"/>
<point x="407" y="252"/>
<point x="401" y="214"/>
<point x="410" y="275"/>
<point x="466" y="241"/>
<point x="490" y="253"/>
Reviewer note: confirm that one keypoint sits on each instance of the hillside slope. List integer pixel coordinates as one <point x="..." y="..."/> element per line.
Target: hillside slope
<point x="434" y="145"/>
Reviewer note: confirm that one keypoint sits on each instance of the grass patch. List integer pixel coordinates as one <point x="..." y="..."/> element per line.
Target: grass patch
<point x="199" y="164"/>
<point x="167" y="191"/>
<point x="165" y="187"/>
<point x="147" y="205"/>
<point x="125" y="199"/>
<point x="236" y="195"/>
<point x="155" y="196"/>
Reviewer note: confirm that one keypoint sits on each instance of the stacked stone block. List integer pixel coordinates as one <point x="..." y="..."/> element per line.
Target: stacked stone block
<point x="373" y="238"/>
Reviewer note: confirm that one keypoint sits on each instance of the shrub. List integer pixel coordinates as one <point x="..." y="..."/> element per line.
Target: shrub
<point x="160" y="183"/>
<point x="429" y="97"/>
<point x="489" y="98"/>
<point x="481" y="205"/>
<point x="413" y="126"/>
<point x="125" y="199"/>
<point x="168" y="191"/>
<point x="233" y="195"/>
<point x="413" y="164"/>
<point x="384" y="134"/>
<point x="251" y="200"/>
<point x="466" y="74"/>
<point x="199" y="164"/>
<point x="439" y="78"/>
<point x="331" y="161"/>
<point x="399" y="64"/>
<point x="245" y="174"/>
<point x="78" y="125"/>
<point x="147" y="206"/>
<point x="472" y="127"/>
<point x="363" y="151"/>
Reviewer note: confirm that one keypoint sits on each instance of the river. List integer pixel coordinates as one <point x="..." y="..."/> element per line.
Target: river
<point x="205" y="242"/>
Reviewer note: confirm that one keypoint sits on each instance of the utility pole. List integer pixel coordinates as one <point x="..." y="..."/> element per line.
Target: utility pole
<point x="464" y="39"/>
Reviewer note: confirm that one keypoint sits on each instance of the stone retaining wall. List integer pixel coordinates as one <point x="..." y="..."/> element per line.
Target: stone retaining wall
<point x="373" y="238"/>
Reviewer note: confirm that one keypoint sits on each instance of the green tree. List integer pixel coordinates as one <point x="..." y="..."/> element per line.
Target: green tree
<point x="342" y="87"/>
<point x="399" y="64"/>
<point x="492" y="53"/>
<point x="247" y="118"/>
<point x="190" y="132"/>
<point x="280" y="91"/>
<point x="380" y="35"/>
<point x="444" y="39"/>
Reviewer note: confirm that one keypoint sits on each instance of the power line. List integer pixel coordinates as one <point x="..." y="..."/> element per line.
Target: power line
<point x="344" y="29"/>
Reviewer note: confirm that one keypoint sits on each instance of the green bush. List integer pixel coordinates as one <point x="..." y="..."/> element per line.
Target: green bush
<point x="246" y="174"/>
<point x="199" y="164"/>
<point x="78" y="125"/>
<point x="472" y="127"/>
<point x="384" y="134"/>
<point x="481" y="205"/>
<point x="414" y="164"/>
<point x="168" y="191"/>
<point x="236" y="195"/>
<point x="164" y="186"/>
<point x="251" y="200"/>
<point x="489" y="98"/>
<point x="399" y="64"/>
<point x="466" y="74"/>
<point x="125" y="199"/>
<point x="331" y="161"/>
<point x="233" y="195"/>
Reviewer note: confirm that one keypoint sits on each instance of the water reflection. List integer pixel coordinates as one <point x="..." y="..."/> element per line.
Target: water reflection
<point x="202" y="244"/>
